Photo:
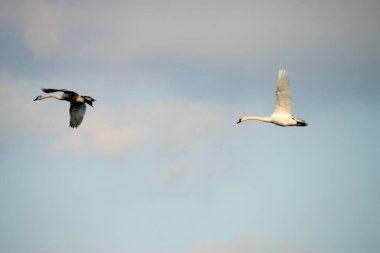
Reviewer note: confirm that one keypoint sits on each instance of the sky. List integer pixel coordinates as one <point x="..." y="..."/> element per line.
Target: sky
<point x="159" y="164"/>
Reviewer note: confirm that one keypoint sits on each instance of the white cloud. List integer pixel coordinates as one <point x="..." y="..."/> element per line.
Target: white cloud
<point x="41" y="28"/>
<point x="247" y="244"/>
<point x="39" y="23"/>
<point x="99" y="135"/>
<point x="241" y="245"/>
<point x="119" y="31"/>
<point x="175" y="125"/>
<point x="16" y="110"/>
<point x="172" y="126"/>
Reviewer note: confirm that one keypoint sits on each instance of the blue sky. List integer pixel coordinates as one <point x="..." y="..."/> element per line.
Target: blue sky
<point x="159" y="164"/>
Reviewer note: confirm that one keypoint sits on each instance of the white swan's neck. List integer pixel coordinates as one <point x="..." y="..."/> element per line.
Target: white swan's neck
<point x="264" y="119"/>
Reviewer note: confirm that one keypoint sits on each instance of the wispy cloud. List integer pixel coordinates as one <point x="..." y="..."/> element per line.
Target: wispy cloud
<point x="39" y="23"/>
<point x="173" y="126"/>
<point x="41" y="28"/>
<point x="100" y="135"/>
<point x="246" y="244"/>
<point x="241" y="245"/>
<point x="16" y="110"/>
<point x="125" y="31"/>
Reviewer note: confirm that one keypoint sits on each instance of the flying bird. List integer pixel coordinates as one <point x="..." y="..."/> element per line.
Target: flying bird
<point x="77" y="103"/>
<point x="283" y="105"/>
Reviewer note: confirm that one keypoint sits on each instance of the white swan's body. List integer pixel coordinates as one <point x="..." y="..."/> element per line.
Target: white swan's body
<point x="77" y="103"/>
<point x="283" y="105"/>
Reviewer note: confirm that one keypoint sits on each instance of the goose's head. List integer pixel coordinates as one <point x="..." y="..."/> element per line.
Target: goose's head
<point x="38" y="98"/>
<point x="241" y="120"/>
<point x="89" y="100"/>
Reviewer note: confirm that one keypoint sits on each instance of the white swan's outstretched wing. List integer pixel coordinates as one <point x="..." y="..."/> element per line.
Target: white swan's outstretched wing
<point x="77" y="111"/>
<point x="283" y="96"/>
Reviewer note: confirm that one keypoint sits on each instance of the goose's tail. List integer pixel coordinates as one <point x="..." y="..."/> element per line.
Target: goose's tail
<point x="300" y="122"/>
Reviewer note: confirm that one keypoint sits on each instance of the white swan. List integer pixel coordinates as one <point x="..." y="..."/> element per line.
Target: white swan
<point x="283" y="106"/>
<point x="77" y="103"/>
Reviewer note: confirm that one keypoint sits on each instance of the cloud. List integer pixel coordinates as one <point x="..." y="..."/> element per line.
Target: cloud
<point x="172" y="126"/>
<point x="241" y="245"/>
<point x="99" y="133"/>
<point x="41" y="28"/>
<point x="119" y="31"/>
<point x="101" y="136"/>
<point x="38" y="22"/>
<point x="246" y="244"/>
<point x="16" y="111"/>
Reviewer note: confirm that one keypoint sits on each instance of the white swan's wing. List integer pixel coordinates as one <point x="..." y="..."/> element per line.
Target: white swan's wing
<point x="283" y="96"/>
<point x="77" y="111"/>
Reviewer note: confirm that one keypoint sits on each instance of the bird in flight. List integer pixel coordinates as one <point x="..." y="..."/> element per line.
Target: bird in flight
<point x="77" y="103"/>
<point x="283" y="105"/>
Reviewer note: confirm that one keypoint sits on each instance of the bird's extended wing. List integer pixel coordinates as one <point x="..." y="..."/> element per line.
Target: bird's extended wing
<point x="52" y="90"/>
<point x="56" y="90"/>
<point x="283" y="96"/>
<point x="77" y="111"/>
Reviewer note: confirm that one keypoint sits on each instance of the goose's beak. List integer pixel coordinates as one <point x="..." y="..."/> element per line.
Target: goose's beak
<point x="35" y="99"/>
<point x="239" y="121"/>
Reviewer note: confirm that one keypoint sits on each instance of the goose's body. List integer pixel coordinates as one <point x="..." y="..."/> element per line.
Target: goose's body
<point x="77" y="103"/>
<point x="283" y="105"/>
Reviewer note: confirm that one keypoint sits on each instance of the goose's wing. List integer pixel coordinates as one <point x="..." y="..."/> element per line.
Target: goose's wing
<point x="63" y="90"/>
<point x="77" y="111"/>
<point x="283" y="96"/>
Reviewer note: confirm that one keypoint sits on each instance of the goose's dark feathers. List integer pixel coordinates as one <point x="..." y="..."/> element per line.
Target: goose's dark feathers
<point x="69" y="92"/>
<point x="77" y="111"/>
<point x="52" y="90"/>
